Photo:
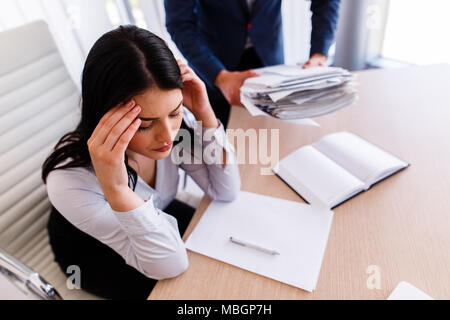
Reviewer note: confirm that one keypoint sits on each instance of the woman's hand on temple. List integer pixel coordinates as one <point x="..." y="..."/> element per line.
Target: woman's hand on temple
<point x="107" y="146"/>
<point x="195" y="97"/>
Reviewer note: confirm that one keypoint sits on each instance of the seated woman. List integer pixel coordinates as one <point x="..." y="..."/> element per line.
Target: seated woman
<point x="110" y="180"/>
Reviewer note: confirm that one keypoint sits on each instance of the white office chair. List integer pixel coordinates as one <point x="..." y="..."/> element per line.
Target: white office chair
<point x="38" y="104"/>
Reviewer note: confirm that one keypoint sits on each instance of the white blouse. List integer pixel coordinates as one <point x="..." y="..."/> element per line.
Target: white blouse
<point x="146" y="237"/>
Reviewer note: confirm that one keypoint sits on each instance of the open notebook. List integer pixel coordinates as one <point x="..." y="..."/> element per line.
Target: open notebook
<point x="336" y="168"/>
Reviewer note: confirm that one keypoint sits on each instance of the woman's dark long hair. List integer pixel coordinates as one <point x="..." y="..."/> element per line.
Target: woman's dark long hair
<point x="121" y="64"/>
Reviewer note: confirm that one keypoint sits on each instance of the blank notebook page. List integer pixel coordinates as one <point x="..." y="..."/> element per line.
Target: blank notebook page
<point x="324" y="178"/>
<point x="358" y="156"/>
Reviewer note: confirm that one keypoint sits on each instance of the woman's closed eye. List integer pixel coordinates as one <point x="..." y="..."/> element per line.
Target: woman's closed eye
<point x="146" y="127"/>
<point x="174" y="115"/>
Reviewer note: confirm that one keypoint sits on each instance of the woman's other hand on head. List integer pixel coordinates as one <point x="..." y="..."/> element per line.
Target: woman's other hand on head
<point x="195" y="96"/>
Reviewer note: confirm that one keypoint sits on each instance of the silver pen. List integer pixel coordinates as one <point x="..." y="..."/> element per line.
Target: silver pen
<point x="253" y="246"/>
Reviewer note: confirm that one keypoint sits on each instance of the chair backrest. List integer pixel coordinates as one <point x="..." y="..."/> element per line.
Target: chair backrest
<point x="39" y="102"/>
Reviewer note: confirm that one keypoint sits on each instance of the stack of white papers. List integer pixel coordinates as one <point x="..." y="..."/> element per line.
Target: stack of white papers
<point x="286" y="240"/>
<point x="289" y="92"/>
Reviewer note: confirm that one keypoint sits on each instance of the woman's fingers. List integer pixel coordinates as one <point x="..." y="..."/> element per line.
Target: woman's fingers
<point x="181" y="63"/>
<point x="107" y="123"/>
<point x="184" y="69"/>
<point x="105" y="117"/>
<point x="188" y="74"/>
<point x="123" y="141"/>
<point x="118" y="129"/>
<point x="187" y="77"/>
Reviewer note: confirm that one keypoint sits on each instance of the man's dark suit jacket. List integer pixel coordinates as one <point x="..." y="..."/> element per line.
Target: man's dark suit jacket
<point x="211" y="34"/>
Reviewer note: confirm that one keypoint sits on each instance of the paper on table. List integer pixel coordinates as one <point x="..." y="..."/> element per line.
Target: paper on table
<point x="255" y="111"/>
<point x="299" y="232"/>
<point x="406" y="291"/>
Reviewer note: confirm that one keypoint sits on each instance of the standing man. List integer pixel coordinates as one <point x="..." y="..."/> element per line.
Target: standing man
<point x="224" y="39"/>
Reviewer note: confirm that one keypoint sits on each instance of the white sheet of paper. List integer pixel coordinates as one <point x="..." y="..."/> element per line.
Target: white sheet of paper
<point x="406" y="291"/>
<point x="299" y="232"/>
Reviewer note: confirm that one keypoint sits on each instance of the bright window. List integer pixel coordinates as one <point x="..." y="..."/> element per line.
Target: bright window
<point x="138" y="14"/>
<point x="113" y="13"/>
<point x="125" y="12"/>
<point x="417" y="31"/>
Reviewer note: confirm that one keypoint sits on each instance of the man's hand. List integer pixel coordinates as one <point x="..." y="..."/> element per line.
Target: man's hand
<point x="230" y="83"/>
<point x="316" y="60"/>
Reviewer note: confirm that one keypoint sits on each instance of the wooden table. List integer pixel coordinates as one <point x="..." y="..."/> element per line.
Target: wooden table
<point x="401" y="225"/>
